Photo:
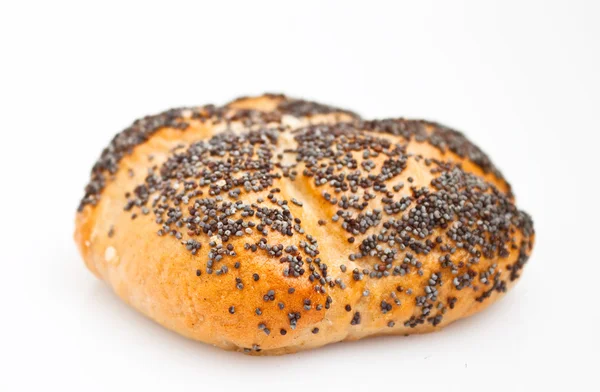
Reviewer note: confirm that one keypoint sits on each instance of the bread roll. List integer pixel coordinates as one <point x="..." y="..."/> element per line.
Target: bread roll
<point x="273" y="225"/>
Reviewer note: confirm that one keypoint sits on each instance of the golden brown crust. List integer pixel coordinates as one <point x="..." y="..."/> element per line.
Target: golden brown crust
<point x="273" y="225"/>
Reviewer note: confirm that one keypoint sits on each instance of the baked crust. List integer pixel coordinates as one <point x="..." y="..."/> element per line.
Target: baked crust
<point x="272" y="225"/>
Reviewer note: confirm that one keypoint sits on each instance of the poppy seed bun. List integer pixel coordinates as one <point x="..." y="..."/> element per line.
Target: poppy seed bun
<point x="272" y="225"/>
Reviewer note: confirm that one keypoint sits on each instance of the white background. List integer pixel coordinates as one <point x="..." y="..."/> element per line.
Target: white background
<point x="520" y="78"/>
